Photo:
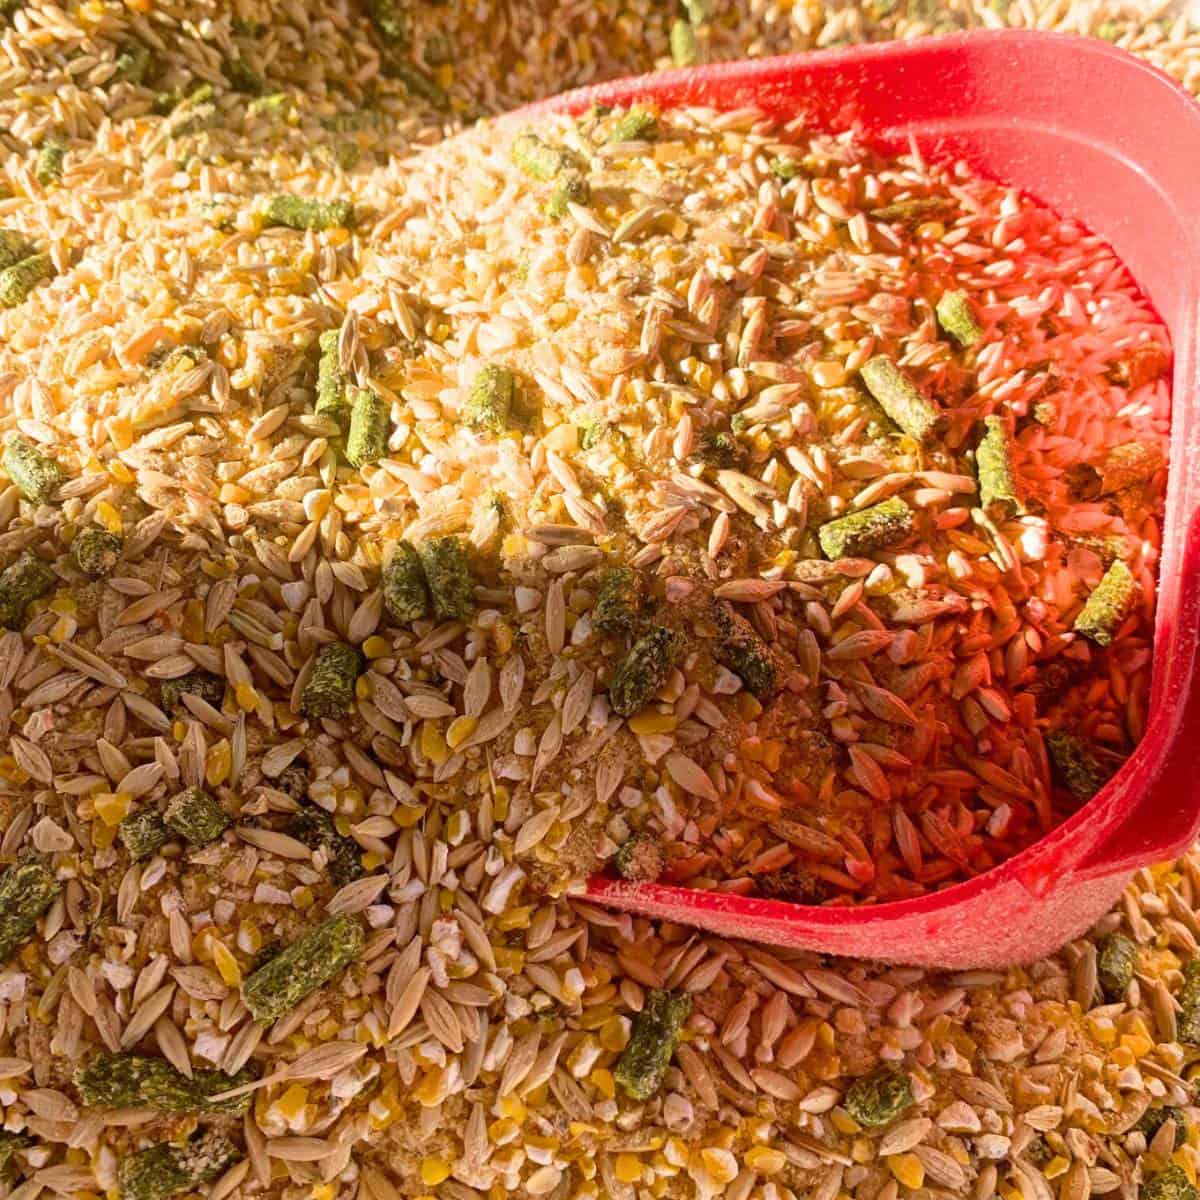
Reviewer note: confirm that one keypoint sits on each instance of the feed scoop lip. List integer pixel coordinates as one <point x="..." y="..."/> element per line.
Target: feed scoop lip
<point x="1101" y="136"/>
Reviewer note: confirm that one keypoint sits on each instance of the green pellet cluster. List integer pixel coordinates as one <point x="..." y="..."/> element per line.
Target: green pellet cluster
<point x="637" y="125"/>
<point x="448" y="577"/>
<point x="572" y="188"/>
<point x="370" y="425"/>
<point x="405" y="595"/>
<point x="133" y="63"/>
<point x="1153" y="1119"/>
<point x="10" y="1144"/>
<point x="620" y="602"/>
<point x="273" y="104"/>
<point x="17" y="281"/>
<point x="329" y="691"/>
<point x="643" y="671"/>
<point x="1082" y="766"/>
<point x="195" y="816"/>
<point x="1141" y="365"/>
<point x="1128" y="465"/>
<point x="242" y="77"/>
<point x="539" y="158"/>
<point x="167" y="1169"/>
<point x="879" y="1098"/>
<point x="27" y="889"/>
<point x="652" y="1043"/>
<point x="48" y="166"/>
<point x="901" y="399"/>
<point x="419" y="84"/>
<point x="14" y="246"/>
<point x="96" y="552"/>
<point x="957" y="318"/>
<point x="639" y="858"/>
<point x="785" y="168"/>
<point x="36" y="475"/>
<point x="717" y="450"/>
<point x="1115" y="963"/>
<point x="913" y="212"/>
<point x="311" y="960"/>
<point x="315" y="828"/>
<point x="203" y="684"/>
<point x="489" y="403"/>
<point x="857" y="533"/>
<point x="1112" y="600"/>
<point x="388" y="20"/>
<point x="23" y="581"/>
<point x="331" y="380"/>
<point x="144" y="833"/>
<point x="1171" y="1184"/>
<point x="743" y="652"/>
<point x="1188" y="1021"/>
<point x="134" y="1081"/>
<point x="993" y="462"/>
<point x="685" y="52"/>
<point x="297" y="213"/>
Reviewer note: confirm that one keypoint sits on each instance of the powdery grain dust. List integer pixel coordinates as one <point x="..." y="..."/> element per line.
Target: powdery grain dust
<point x="471" y="1039"/>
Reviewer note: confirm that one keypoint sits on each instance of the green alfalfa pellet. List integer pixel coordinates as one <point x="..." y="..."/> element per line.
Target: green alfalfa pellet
<point x="639" y="858"/>
<point x="294" y="212"/>
<point x="538" y="158"/>
<point x="1081" y="766"/>
<point x="957" y="318"/>
<point x="998" y="491"/>
<point x="637" y="125"/>
<point x="167" y="1169"/>
<point x="652" y="1043"/>
<point x="138" y="1081"/>
<point x="14" y="246"/>
<point x="195" y="816"/>
<point x="17" y="281"/>
<point x="36" y="475"/>
<point x="742" y="651"/>
<point x="144" y="833"/>
<point x="619" y="609"/>
<point x="858" y="533"/>
<point x="331" y="380"/>
<point x="1111" y="602"/>
<point x="448" y="577"/>
<point x="23" y="581"/>
<point x="329" y="690"/>
<point x="370" y="425"/>
<point x="48" y="166"/>
<point x="643" y="670"/>
<point x="405" y="595"/>
<point x="312" y="960"/>
<point x="879" y="1098"/>
<point x="1188" y="1021"/>
<point x="901" y="399"/>
<point x="1116" y="959"/>
<point x="204" y="685"/>
<point x="572" y="188"/>
<point x="315" y="828"/>
<point x="1170" y="1184"/>
<point x="27" y="889"/>
<point x="96" y="552"/>
<point x="490" y="400"/>
<point x="685" y="51"/>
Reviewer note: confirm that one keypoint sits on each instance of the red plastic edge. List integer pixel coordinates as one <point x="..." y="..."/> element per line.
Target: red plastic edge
<point x="1103" y="136"/>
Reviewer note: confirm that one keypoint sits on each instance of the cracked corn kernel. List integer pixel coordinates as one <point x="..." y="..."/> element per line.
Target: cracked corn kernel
<point x="434" y="1171"/>
<point x="112" y="807"/>
<point x="907" y="1169"/>
<point x="765" y="1160"/>
<point x="460" y="729"/>
<point x="376" y="647"/>
<point x="627" y="1168"/>
<point x="226" y="964"/>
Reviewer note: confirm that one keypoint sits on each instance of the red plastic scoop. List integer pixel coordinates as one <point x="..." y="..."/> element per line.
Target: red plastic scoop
<point x="1101" y="136"/>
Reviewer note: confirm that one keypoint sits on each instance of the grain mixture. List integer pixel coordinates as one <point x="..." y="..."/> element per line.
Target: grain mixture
<point x="371" y="513"/>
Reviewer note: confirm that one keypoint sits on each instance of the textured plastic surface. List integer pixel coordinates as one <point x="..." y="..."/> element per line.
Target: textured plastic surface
<point x="1101" y="136"/>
